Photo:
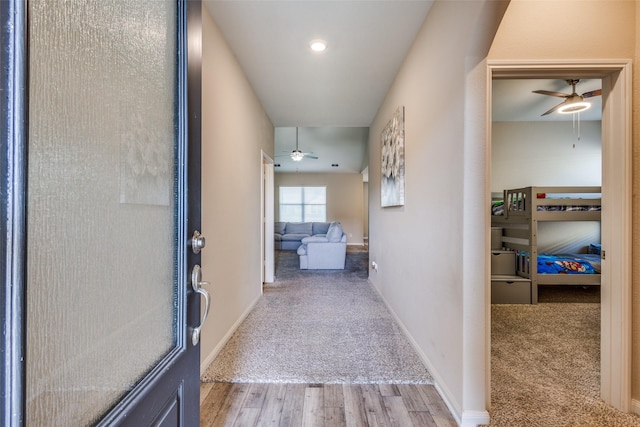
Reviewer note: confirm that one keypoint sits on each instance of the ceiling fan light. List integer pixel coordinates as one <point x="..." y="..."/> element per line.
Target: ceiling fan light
<point x="574" y="107"/>
<point x="296" y="155"/>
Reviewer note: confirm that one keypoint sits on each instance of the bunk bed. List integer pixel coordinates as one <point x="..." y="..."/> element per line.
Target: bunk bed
<point x="519" y="214"/>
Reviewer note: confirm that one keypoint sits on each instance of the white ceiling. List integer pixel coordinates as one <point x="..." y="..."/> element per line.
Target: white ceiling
<point x="326" y="94"/>
<point x="342" y="86"/>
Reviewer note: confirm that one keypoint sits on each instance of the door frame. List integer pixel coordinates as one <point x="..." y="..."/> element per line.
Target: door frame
<point x="616" y="75"/>
<point x="13" y="107"/>
<point x="267" y="255"/>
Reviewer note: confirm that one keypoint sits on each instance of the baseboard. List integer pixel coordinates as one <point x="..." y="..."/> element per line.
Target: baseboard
<point x="438" y="383"/>
<point x="214" y="353"/>
<point x="475" y="418"/>
<point x="635" y="406"/>
<point x="355" y="244"/>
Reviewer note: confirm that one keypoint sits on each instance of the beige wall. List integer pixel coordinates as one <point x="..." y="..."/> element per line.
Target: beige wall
<point x="419" y="248"/>
<point x="558" y="29"/>
<point x="234" y="130"/>
<point x="344" y="198"/>
<point x="601" y="29"/>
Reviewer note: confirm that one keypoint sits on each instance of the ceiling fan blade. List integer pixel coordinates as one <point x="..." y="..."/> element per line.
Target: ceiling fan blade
<point x="307" y="156"/>
<point x="596" y="92"/>
<point x="553" y="109"/>
<point x="546" y="92"/>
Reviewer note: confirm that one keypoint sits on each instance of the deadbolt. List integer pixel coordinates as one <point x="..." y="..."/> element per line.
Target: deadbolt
<point x="197" y="242"/>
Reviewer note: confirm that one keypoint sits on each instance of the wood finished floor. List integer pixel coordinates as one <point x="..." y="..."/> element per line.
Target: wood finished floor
<point x="323" y="405"/>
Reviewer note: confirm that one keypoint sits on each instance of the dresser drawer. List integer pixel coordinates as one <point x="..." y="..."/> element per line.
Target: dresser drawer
<point x="510" y="290"/>
<point x="503" y="263"/>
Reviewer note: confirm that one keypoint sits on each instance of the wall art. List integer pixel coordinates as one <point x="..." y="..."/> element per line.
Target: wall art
<point x="392" y="153"/>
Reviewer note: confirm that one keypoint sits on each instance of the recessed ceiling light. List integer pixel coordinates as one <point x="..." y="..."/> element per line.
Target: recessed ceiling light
<point x="318" y="45"/>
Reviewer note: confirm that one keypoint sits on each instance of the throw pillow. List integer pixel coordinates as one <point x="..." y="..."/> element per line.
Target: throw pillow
<point x="278" y="227"/>
<point x="320" y="228"/>
<point x="334" y="234"/>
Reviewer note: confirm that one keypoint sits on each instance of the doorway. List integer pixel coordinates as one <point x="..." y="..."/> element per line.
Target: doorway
<point x="615" y="387"/>
<point x="267" y="203"/>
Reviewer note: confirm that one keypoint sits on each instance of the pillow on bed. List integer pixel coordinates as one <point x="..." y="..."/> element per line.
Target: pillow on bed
<point x="334" y="233"/>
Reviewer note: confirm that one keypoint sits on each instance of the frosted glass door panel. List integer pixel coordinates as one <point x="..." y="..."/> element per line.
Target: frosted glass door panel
<point x="101" y="266"/>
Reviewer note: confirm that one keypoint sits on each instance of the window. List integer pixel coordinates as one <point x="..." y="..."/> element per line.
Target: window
<point x="303" y="204"/>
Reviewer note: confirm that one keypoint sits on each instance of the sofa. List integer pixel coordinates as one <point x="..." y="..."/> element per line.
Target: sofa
<point x="288" y="235"/>
<point x="324" y="252"/>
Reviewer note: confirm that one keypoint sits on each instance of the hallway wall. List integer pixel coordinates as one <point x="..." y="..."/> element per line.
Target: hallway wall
<point x="234" y="126"/>
<point x="419" y="247"/>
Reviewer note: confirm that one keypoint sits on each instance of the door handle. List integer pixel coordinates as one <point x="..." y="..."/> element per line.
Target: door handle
<point x="196" y="284"/>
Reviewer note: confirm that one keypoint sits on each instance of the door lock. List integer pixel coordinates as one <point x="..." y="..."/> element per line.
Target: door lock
<point x="197" y="242"/>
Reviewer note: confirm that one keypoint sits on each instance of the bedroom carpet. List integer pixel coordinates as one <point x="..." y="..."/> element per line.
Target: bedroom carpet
<point x="319" y="327"/>
<point x="545" y="362"/>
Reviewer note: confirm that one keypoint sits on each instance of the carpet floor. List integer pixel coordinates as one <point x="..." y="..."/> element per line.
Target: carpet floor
<point x="319" y="326"/>
<point x="545" y="365"/>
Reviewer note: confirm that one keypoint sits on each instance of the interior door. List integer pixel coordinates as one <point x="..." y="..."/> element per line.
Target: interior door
<point x="103" y="145"/>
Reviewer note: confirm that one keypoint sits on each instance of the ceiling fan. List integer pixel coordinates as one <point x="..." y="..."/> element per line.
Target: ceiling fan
<point x="573" y="102"/>
<point x="297" y="154"/>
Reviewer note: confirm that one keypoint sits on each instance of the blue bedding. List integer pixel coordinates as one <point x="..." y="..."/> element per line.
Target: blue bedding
<point x="568" y="264"/>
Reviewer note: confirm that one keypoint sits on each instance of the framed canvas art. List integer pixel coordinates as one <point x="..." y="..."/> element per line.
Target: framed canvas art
<point x="392" y="154"/>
